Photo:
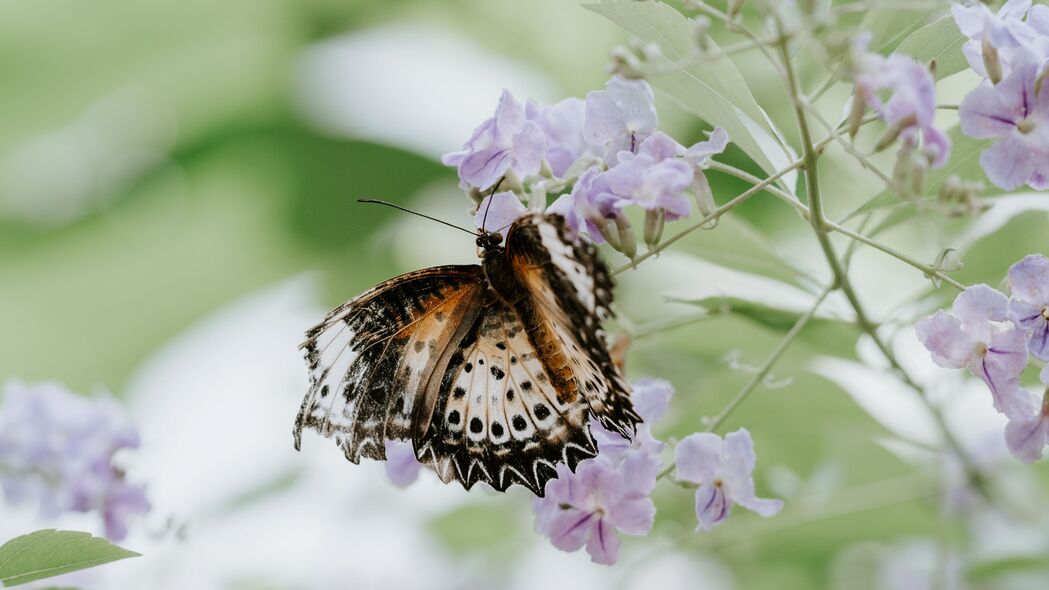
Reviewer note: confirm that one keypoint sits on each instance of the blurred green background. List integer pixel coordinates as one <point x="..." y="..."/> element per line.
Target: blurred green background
<point x="159" y="160"/>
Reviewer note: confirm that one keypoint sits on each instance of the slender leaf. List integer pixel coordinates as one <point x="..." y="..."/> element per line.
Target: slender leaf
<point x="48" y="553"/>
<point x="1007" y="565"/>
<point x="889" y="27"/>
<point x="714" y="91"/>
<point x="939" y="40"/>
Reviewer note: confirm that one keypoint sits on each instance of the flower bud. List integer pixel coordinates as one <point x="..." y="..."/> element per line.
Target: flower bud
<point x="1038" y="81"/>
<point x="627" y="240"/>
<point x="655" y="219"/>
<point x="625" y="63"/>
<point x="702" y="32"/>
<point x="859" y="106"/>
<point x="704" y="195"/>
<point x="991" y="62"/>
<point x="894" y="131"/>
<point x="734" y="8"/>
<point x="609" y="233"/>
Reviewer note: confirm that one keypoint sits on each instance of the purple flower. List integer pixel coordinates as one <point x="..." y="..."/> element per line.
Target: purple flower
<point x="1015" y="42"/>
<point x="975" y="338"/>
<point x="650" y="180"/>
<point x="912" y="104"/>
<point x="401" y="465"/>
<point x="497" y="212"/>
<point x="1011" y="113"/>
<point x="507" y="141"/>
<point x="620" y="117"/>
<point x="723" y="471"/>
<point x="58" y="447"/>
<point x="1028" y="432"/>
<point x="588" y="507"/>
<point x="651" y="399"/>
<point x="1029" y="306"/>
<point x="589" y="206"/>
<point x="562" y="124"/>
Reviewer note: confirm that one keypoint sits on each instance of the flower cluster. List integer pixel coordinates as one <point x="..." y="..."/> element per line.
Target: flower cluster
<point x="1011" y="106"/>
<point x="597" y="156"/>
<point x="993" y="336"/>
<point x="610" y="492"/>
<point x="59" y="447"/>
<point x="909" y="110"/>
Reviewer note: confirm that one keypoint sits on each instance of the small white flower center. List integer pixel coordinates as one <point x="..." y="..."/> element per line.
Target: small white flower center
<point x="1025" y="125"/>
<point x="981" y="349"/>
<point x="1045" y="313"/>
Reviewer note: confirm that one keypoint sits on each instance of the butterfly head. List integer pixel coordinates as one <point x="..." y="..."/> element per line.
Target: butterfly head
<point x="489" y="240"/>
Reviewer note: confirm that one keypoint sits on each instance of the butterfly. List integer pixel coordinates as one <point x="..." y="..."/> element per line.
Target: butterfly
<point x="492" y="371"/>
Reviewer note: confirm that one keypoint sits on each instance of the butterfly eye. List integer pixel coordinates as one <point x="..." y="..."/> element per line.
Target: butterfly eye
<point x="496" y="238"/>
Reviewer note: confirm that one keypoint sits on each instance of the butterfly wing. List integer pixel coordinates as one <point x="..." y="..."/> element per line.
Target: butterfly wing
<point x="372" y="357"/>
<point x="570" y="294"/>
<point x="498" y="417"/>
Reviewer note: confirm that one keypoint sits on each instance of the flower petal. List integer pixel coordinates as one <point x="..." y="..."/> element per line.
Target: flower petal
<point x="633" y="516"/>
<point x="529" y="147"/>
<point x="497" y="212"/>
<point x="651" y="398"/>
<point x="942" y="334"/>
<point x="979" y="304"/>
<point x="983" y="114"/>
<point x="603" y="545"/>
<point x="1026" y="437"/>
<point x="401" y="465"/>
<point x="1030" y="279"/>
<point x="712" y="506"/>
<point x="698" y="457"/>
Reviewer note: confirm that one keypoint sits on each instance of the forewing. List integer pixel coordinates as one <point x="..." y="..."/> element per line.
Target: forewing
<point x="370" y="359"/>
<point x="571" y="290"/>
<point x="498" y="418"/>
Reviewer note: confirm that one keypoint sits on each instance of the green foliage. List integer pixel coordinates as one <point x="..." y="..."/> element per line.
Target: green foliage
<point x="48" y="553"/>
<point x="938" y="41"/>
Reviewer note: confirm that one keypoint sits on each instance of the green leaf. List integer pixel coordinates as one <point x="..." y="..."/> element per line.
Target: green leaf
<point x="1008" y="565"/>
<point x="48" y="553"/>
<point x="889" y="27"/>
<point x="939" y="40"/>
<point x="775" y="319"/>
<point x="714" y="91"/>
<point x="964" y="162"/>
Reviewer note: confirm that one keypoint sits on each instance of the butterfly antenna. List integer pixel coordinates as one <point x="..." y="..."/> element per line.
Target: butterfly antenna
<point x="484" y="220"/>
<point x="388" y="204"/>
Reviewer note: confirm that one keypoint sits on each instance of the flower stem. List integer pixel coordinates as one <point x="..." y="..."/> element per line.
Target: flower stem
<point x="764" y="370"/>
<point x="805" y="212"/>
<point x="819" y="225"/>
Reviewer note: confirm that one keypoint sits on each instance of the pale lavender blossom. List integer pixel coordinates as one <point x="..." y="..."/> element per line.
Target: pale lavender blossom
<point x="912" y="105"/>
<point x="401" y="465"/>
<point x="1028" y="431"/>
<point x="58" y="448"/>
<point x="1011" y="113"/>
<point x="1029" y="306"/>
<point x="589" y="206"/>
<point x="562" y="124"/>
<point x="498" y="211"/>
<point x="620" y="117"/>
<point x="651" y="399"/>
<point x="589" y="506"/>
<point x="506" y="141"/>
<point x="977" y="336"/>
<point x="723" y="470"/>
<point x="1014" y="40"/>
<point x="650" y="180"/>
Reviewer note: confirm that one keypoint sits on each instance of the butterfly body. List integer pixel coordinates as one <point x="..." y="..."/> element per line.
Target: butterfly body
<point x="491" y="370"/>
